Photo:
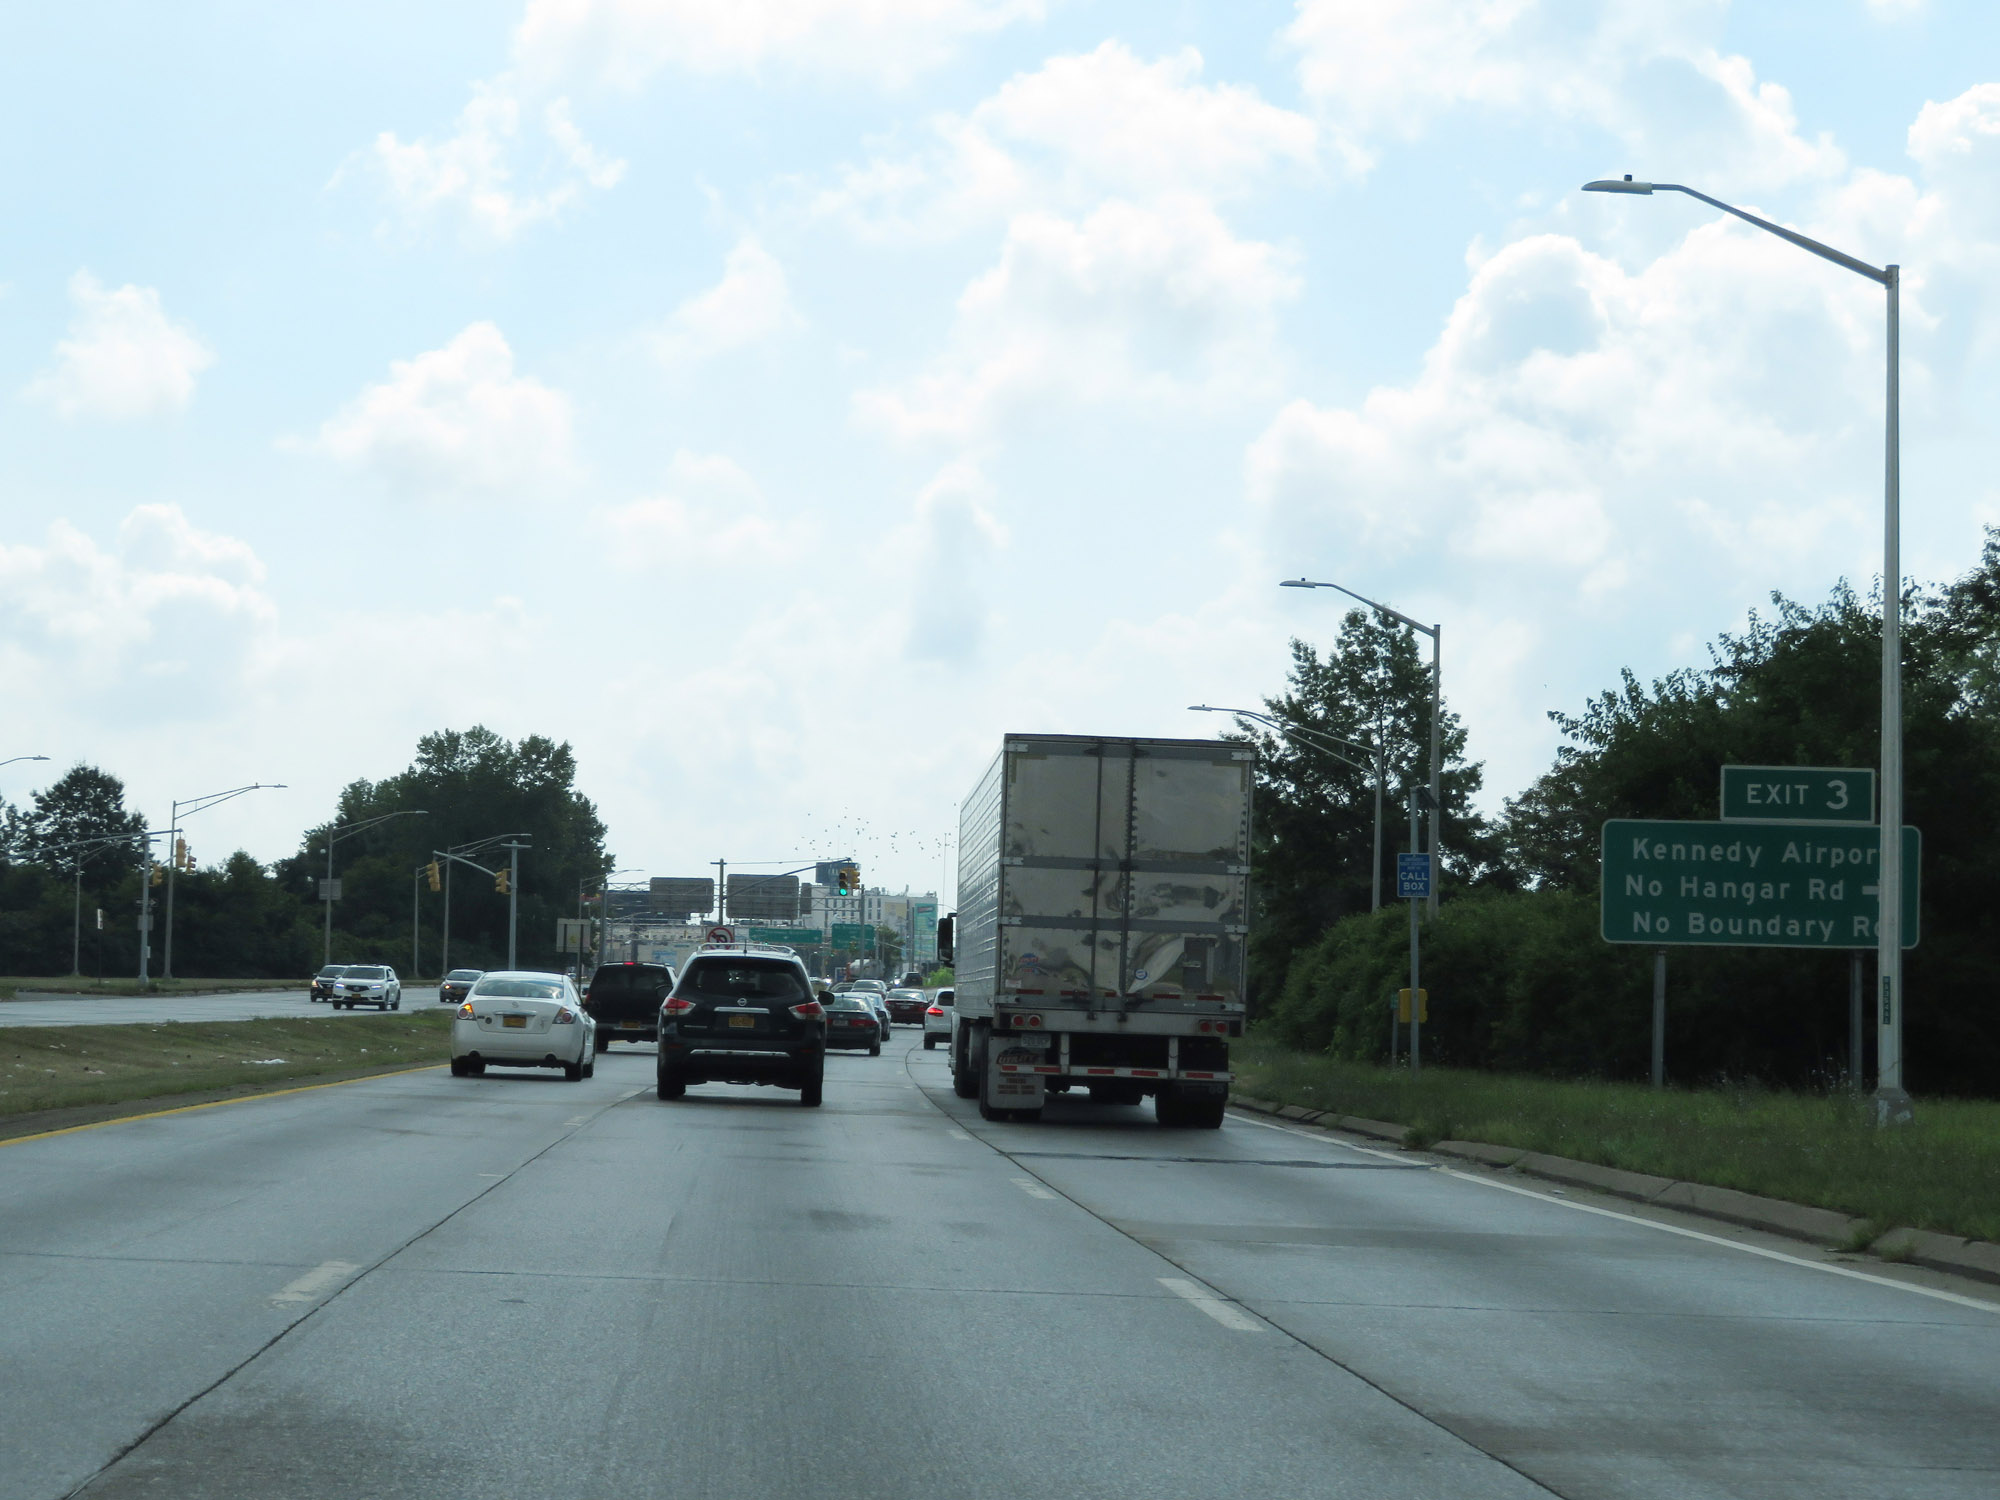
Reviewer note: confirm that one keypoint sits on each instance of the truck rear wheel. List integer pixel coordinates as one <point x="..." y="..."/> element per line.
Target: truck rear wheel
<point x="964" y="1080"/>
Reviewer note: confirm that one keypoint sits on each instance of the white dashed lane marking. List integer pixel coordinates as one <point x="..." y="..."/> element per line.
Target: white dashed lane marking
<point x="1031" y="1187"/>
<point x="1228" y="1314"/>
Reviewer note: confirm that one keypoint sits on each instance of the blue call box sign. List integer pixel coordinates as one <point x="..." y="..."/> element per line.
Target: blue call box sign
<point x="1413" y="877"/>
<point x="1797" y="794"/>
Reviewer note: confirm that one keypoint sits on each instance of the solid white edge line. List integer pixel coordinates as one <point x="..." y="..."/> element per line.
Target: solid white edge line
<point x="1228" y="1314"/>
<point x="1685" y="1233"/>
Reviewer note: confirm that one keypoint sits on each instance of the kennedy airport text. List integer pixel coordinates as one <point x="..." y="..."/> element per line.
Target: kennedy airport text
<point x="1773" y="886"/>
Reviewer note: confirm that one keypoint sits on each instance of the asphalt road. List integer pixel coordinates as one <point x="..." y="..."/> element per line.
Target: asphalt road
<point x="434" y="1287"/>
<point x="32" y="1009"/>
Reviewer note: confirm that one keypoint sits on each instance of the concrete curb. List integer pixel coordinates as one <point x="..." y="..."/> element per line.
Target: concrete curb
<point x="1823" y="1226"/>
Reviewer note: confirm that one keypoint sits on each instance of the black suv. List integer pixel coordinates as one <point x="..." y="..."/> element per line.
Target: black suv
<point x="624" y="1000"/>
<point x="738" y="1015"/>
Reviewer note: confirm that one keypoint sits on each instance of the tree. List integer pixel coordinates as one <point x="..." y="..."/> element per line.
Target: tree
<point x="86" y="804"/>
<point x="471" y="784"/>
<point x="1315" y="810"/>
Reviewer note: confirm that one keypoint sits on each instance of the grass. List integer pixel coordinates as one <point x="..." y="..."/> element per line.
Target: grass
<point x="71" y="984"/>
<point x="70" y="1067"/>
<point x="1941" y="1173"/>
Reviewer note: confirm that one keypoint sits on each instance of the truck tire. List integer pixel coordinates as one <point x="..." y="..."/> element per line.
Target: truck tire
<point x="670" y="1084"/>
<point x="812" y="1088"/>
<point x="1206" y="1114"/>
<point x="964" y="1081"/>
<point x="1169" y="1111"/>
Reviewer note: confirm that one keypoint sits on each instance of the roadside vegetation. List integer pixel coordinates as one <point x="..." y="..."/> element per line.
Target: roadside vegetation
<point x="1942" y="1173"/>
<point x="69" y="984"/>
<point x="71" y="1067"/>
<point x="75" y="850"/>
<point x="1520" y="978"/>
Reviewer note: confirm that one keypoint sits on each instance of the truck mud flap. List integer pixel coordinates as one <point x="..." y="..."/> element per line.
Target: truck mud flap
<point x="1013" y="1077"/>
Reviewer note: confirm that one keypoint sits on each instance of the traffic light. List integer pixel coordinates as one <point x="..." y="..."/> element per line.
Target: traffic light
<point x="181" y="861"/>
<point x="850" y="880"/>
<point x="434" y="875"/>
<point x="500" y="881"/>
<point x="159" y="875"/>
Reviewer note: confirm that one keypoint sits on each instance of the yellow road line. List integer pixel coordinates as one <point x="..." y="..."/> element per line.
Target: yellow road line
<point x="188" y="1109"/>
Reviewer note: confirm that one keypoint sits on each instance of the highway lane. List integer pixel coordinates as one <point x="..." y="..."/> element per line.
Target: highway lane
<point x="41" y="1009"/>
<point x="426" y="1286"/>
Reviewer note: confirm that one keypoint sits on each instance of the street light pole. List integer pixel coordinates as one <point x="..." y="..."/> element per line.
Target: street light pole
<point x="1436" y="633"/>
<point x="1317" y="740"/>
<point x="193" y="806"/>
<point x="1892" y="1100"/>
<point x="333" y="836"/>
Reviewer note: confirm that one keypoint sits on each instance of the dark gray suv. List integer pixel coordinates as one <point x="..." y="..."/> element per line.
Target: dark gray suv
<point x="742" y="1015"/>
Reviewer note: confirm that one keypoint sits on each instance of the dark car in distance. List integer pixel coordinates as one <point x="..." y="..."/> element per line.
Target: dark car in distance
<point x="743" y="1015"/>
<point x="851" y="1022"/>
<point x="455" y="986"/>
<point x="907" y="1006"/>
<point x="322" y="982"/>
<point x="624" y="1000"/>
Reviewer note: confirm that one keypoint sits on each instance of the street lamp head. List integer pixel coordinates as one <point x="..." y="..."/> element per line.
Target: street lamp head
<point x="1296" y="583"/>
<point x="1617" y="185"/>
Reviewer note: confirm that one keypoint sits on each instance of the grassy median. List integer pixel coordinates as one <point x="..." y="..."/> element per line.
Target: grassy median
<point x="99" y="1069"/>
<point x="71" y="984"/>
<point x="1942" y="1173"/>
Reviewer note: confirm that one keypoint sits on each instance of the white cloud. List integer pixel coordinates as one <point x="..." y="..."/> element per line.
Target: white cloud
<point x="627" y="41"/>
<point x="164" y="626"/>
<point x="1575" y="423"/>
<point x="1076" y="129"/>
<point x="1158" y="303"/>
<point x="752" y="301"/>
<point x="124" y="358"/>
<point x="709" y="513"/>
<point x="954" y="536"/>
<point x="456" y="420"/>
<point x="1649" y="73"/>
<point x="472" y="172"/>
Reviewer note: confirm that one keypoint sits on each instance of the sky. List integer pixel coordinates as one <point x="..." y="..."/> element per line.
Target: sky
<point x="781" y="400"/>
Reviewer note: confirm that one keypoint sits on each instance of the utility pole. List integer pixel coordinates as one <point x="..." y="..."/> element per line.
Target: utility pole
<point x="513" y="899"/>
<point x="1416" y="992"/>
<point x="146" y="918"/>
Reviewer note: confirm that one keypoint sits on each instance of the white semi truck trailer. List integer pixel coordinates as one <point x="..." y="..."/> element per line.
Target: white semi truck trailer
<point x="1103" y="910"/>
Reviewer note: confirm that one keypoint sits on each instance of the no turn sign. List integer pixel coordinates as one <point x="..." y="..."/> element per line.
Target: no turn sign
<point x="721" y="935"/>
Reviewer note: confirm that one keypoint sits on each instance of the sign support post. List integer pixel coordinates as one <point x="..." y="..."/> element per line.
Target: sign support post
<point x="1854" y="1022"/>
<point x="1659" y="1018"/>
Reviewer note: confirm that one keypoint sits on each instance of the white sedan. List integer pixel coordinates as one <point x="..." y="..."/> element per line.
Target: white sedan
<point x="937" y="1018"/>
<point x="516" y="1019"/>
<point x="367" y="984"/>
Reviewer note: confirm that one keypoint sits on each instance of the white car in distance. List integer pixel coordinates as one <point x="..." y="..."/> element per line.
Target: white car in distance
<point x="367" y="984"/>
<point x="519" y="1019"/>
<point x="937" y="1018"/>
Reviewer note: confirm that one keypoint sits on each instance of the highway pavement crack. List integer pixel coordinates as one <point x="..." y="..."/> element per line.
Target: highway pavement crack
<point x="566" y="1131"/>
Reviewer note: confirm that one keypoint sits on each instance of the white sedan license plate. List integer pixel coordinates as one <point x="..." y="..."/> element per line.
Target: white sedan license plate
<point x="519" y="1023"/>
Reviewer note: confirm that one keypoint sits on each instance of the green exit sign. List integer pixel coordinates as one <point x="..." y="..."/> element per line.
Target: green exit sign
<point x="1797" y="794"/>
<point x="1750" y="885"/>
